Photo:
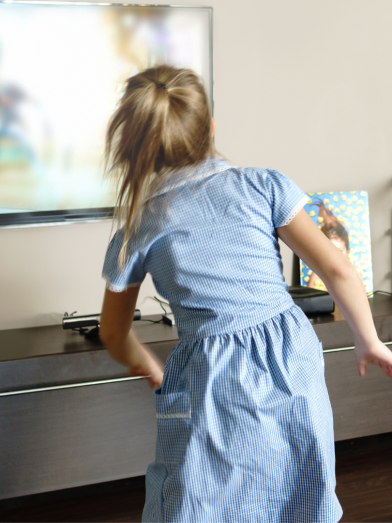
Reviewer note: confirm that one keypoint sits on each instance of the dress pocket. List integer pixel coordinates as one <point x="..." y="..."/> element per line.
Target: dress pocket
<point x="174" y="426"/>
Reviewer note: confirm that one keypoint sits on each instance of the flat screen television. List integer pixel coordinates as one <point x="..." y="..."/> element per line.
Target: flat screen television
<point x="62" y="72"/>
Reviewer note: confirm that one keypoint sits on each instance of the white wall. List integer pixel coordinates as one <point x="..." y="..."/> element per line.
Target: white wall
<point x="303" y="87"/>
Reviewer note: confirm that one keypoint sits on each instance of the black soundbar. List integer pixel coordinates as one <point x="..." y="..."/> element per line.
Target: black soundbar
<point x="91" y="320"/>
<point x="312" y="301"/>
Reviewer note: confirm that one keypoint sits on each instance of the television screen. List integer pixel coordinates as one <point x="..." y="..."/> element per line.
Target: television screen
<point x="62" y="72"/>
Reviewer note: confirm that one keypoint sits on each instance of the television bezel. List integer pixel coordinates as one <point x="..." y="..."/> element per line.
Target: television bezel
<point x="69" y="216"/>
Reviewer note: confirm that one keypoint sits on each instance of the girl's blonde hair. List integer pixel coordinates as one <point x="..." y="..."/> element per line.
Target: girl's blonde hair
<point x="163" y="123"/>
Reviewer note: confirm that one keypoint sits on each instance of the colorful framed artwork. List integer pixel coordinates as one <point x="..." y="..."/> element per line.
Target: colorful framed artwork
<point x="344" y="218"/>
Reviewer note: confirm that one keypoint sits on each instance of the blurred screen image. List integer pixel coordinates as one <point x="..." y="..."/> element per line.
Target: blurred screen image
<point x="62" y="71"/>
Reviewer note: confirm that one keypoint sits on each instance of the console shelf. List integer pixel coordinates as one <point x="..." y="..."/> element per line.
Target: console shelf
<point x="70" y="416"/>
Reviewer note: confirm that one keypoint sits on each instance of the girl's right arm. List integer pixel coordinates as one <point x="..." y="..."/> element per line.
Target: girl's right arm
<point x="115" y="332"/>
<point x="343" y="283"/>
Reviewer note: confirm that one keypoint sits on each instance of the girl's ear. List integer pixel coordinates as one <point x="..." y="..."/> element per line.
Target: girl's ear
<point x="212" y="127"/>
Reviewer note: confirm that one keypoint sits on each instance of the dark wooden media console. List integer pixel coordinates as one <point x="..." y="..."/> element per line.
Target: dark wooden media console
<point x="70" y="416"/>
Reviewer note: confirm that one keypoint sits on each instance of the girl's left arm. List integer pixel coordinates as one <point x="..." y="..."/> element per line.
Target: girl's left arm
<point x="115" y="332"/>
<point x="343" y="283"/>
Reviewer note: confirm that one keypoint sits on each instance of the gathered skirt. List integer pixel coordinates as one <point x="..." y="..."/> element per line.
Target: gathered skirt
<point x="245" y="430"/>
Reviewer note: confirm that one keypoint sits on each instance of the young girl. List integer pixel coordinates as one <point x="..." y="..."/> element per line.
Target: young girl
<point x="245" y="431"/>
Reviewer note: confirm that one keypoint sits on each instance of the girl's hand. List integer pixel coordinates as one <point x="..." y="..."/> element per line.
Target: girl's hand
<point x="115" y="332"/>
<point x="142" y="362"/>
<point x="376" y="353"/>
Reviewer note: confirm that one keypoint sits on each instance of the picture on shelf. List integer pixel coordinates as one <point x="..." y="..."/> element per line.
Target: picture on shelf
<point x="344" y="218"/>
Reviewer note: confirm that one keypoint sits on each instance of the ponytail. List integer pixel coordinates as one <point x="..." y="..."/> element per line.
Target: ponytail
<point x="163" y="124"/>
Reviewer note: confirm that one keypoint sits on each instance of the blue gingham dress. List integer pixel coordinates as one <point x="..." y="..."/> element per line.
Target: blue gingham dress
<point x="245" y="430"/>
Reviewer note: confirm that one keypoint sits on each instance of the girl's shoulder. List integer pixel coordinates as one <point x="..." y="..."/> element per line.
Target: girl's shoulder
<point x="283" y="195"/>
<point x="265" y="177"/>
<point x="270" y="182"/>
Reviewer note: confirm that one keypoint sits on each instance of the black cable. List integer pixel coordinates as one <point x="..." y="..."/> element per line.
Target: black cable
<point x="152" y="321"/>
<point x="160" y="303"/>
<point x="80" y="330"/>
<point x="371" y="293"/>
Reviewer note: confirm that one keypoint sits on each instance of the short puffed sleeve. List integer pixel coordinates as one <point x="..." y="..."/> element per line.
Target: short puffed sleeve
<point x="286" y="198"/>
<point x="132" y="274"/>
